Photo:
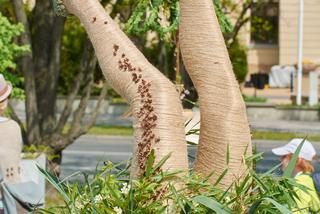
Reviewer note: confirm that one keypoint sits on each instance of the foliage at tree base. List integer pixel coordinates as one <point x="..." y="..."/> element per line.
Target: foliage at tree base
<point x="110" y="190"/>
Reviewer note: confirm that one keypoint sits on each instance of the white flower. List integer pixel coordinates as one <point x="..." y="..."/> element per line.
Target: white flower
<point x="98" y="198"/>
<point x="78" y="205"/>
<point x="186" y="92"/>
<point x="117" y="210"/>
<point x="182" y="96"/>
<point x="195" y="204"/>
<point x="228" y="199"/>
<point x="125" y="189"/>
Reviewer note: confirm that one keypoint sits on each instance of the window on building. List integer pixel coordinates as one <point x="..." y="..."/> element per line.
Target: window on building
<point x="265" y="23"/>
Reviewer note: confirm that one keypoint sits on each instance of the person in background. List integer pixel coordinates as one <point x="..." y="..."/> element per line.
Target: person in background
<point x="10" y="142"/>
<point x="308" y="201"/>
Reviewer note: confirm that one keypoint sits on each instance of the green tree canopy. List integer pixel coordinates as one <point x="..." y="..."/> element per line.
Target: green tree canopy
<point x="9" y="50"/>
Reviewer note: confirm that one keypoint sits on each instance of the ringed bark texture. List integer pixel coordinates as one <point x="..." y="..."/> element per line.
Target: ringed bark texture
<point x="157" y="110"/>
<point x="223" y="112"/>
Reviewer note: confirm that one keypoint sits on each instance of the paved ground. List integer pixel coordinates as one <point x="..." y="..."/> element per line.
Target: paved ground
<point x="85" y="154"/>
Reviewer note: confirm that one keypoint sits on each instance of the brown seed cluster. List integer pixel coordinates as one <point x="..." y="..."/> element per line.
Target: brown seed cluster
<point x="159" y="194"/>
<point x="115" y="50"/>
<point x="146" y="115"/>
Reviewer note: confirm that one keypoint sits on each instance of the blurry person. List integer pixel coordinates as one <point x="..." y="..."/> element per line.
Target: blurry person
<point x="308" y="201"/>
<point x="10" y="142"/>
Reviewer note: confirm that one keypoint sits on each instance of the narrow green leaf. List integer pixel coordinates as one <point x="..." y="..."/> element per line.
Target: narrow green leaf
<point x="161" y="162"/>
<point x="208" y="176"/>
<point x="211" y="204"/>
<point x="131" y="199"/>
<point x="259" y="181"/>
<point x="254" y="206"/>
<point x="54" y="182"/>
<point x="270" y="171"/>
<point x="280" y="207"/>
<point x="150" y="163"/>
<point x="221" y="177"/>
<point x="228" y="154"/>
<point x="288" y="171"/>
<point x="177" y="198"/>
<point x="225" y="192"/>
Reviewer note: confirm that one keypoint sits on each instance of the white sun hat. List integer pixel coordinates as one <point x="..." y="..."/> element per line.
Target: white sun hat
<point x="307" y="151"/>
<point x="5" y="88"/>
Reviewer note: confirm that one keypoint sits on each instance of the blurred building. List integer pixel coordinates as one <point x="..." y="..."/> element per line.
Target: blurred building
<point x="273" y="36"/>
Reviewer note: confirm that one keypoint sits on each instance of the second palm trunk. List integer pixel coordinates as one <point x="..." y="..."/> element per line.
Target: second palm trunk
<point x="223" y="113"/>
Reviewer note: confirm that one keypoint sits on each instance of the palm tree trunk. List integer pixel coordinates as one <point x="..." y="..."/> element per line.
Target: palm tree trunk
<point x="155" y="104"/>
<point x="223" y="113"/>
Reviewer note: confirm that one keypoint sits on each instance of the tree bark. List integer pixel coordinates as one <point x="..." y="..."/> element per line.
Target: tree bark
<point x="47" y="36"/>
<point x="158" y="120"/>
<point x="27" y="67"/>
<point x="241" y="20"/>
<point x="223" y="113"/>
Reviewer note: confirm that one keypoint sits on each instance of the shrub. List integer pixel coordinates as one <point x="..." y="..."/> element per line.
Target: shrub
<point x="238" y="57"/>
<point x="111" y="191"/>
<point x="9" y="51"/>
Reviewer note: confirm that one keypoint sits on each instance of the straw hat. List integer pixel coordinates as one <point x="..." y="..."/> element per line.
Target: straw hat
<point x="5" y="88"/>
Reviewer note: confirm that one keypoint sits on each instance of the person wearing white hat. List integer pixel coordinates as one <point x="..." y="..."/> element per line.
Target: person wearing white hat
<point x="307" y="201"/>
<point x="10" y="140"/>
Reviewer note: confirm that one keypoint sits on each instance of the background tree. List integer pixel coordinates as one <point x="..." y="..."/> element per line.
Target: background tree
<point x="9" y="51"/>
<point x="41" y="69"/>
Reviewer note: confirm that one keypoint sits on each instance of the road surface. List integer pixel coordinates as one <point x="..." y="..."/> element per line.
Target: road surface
<point x="88" y="151"/>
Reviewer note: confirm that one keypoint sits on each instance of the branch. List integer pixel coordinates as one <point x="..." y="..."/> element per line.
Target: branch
<point x="95" y="113"/>
<point x="237" y="29"/>
<point x="78" y="131"/>
<point x="22" y="17"/>
<point x="87" y="62"/>
<point x="79" y="113"/>
<point x="241" y="20"/>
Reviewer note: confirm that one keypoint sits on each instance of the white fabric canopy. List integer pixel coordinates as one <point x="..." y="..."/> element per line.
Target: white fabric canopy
<point x="279" y="77"/>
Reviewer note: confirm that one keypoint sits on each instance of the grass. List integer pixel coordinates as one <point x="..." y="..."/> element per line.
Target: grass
<point x="253" y="99"/>
<point x="111" y="130"/>
<point x="107" y="130"/>
<point x="285" y="136"/>
<point x="118" y="100"/>
<point x="257" y="135"/>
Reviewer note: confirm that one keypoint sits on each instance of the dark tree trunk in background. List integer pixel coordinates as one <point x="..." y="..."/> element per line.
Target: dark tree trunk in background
<point x="27" y="67"/>
<point x="47" y="36"/>
<point x="41" y="70"/>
